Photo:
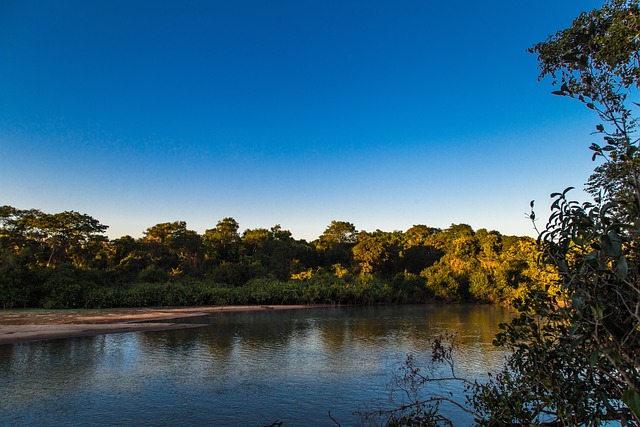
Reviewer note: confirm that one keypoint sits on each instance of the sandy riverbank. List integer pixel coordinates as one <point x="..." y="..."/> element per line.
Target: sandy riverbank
<point x="17" y="326"/>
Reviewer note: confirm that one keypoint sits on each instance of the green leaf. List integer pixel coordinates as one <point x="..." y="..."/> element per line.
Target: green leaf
<point x="612" y="244"/>
<point x="558" y="92"/>
<point x="576" y="343"/>
<point x="578" y="301"/>
<point x="605" y="208"/>
<point x="600" y="128"/>
<point x="563" y="267"/>
<point x="631" y="398"/>
<point x="591" y="106"/>
<point x="623" y="268"/>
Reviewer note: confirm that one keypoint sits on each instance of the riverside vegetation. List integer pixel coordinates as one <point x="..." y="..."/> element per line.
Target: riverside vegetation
<point x="574" y="352"/>
<point x="575" y="343"/>
<point x="63" y="260"/>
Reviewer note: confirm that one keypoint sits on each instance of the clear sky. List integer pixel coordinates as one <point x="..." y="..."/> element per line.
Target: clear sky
<point x="385" y="114"/>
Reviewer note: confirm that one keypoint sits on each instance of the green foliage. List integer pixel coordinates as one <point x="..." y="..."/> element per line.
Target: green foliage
<point x="153" y="274"/>
<point x="343" y="266"/>
<point x="222" y="243"/>
<point x="169" y="246"/>
<point x="596" y="62"/>
<point x="377" y="252"/>
<point x="37" y="239"/>
<point x="484" y="266"/>
<point x="575" y="344"/>
<point x="551" y="377"/>
<point x="371" y="267"/>
<point x="20" y="288"/>
<point x="575" y="360"/>
<point x="444" y="283"/>
<point x="336" y="242"/>
<point x="338" y="233"/>
<point x="234" y="274"/>
<point x="410" y="288"/>
<point x="595" y="245"/>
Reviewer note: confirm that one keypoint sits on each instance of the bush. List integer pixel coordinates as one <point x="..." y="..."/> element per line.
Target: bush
<point x="153" y="274"/>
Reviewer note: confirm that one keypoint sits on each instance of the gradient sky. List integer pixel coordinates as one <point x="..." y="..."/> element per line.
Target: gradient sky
<point x="382" y="113"/>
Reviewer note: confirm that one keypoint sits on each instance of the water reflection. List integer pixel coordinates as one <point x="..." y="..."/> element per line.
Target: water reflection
<point x="243" y="369"/>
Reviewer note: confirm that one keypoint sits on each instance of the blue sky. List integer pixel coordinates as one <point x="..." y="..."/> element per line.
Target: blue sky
<point x="382" y="113"/>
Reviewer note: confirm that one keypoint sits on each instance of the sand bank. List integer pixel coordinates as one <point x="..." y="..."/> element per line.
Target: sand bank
<point x="17" y="326"/>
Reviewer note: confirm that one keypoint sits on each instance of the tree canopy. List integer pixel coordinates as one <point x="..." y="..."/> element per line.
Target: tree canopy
<point x="64" y="260"/>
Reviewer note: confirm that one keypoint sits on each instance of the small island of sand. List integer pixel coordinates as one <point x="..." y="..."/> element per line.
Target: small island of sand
<point x="19" y="326"/>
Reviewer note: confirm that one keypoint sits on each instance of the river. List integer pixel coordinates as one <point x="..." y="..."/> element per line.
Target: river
<point x="242" y="369"/>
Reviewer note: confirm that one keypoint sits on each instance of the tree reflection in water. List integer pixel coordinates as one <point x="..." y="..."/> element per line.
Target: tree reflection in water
<point x="245" y="368"/>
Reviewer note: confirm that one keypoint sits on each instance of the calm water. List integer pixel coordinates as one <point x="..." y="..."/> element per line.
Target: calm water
<point x="243" y="369"/>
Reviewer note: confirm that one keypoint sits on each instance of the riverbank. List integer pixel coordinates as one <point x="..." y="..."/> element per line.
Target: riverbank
<point x="19" y="326"/>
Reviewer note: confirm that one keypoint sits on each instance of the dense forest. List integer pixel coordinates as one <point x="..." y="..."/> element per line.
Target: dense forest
<point x="64" y="260"/>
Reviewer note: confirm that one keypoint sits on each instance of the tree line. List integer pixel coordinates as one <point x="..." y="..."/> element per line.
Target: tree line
<point x="64" y="260"/>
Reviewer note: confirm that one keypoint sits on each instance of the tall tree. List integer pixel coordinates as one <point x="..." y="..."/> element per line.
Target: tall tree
<point x="52" y="239"/>
<point x="172" y="246"/>
<point x="597" y="62"/>
<point x="579" y="365"/>
<point x="419" y="248"/>
<point x="338" y="233"/>
<point x="222" y="243"/>
<point x="575" y="352"/>
<point x="371" y="252"/>
<point x="336" y="242"/>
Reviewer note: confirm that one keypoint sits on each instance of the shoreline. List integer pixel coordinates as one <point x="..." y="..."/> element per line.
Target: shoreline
<point x="32" y="325"/>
